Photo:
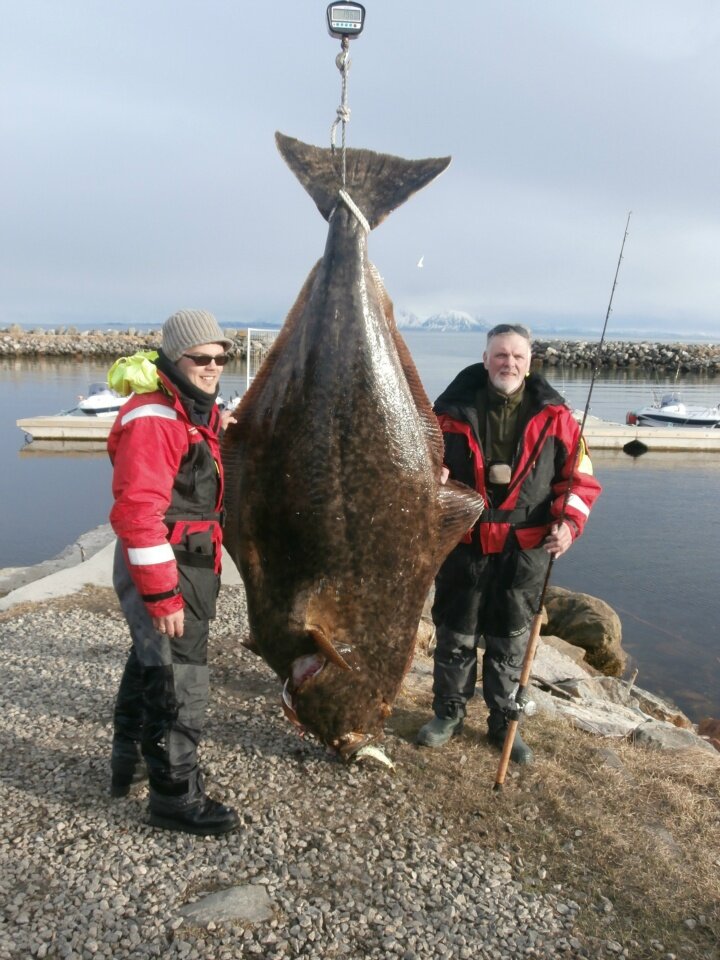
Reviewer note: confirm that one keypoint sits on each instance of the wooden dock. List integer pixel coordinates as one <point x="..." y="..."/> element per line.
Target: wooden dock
<point x="600" y="434"/>
<point x="603" y="435"/>
<point x="67" y="427"/>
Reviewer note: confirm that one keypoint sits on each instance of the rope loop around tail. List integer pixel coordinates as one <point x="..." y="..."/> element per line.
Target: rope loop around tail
<point x="353" y="208"/>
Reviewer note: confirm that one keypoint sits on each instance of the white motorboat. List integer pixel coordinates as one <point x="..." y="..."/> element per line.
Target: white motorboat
<point x="100" y="401"/>
<point x="671" y="411"/>
<point x="91" y="419"/>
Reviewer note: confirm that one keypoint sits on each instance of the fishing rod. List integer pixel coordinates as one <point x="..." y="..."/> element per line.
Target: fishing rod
<point x="519" y="702"/>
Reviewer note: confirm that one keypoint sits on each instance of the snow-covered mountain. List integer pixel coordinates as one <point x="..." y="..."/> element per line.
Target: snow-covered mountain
<point x="408" y="321"/>
<point x="449" y="321"/>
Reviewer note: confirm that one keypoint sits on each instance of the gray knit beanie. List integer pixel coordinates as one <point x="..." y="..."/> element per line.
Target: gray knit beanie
<point x="188" y="328"/>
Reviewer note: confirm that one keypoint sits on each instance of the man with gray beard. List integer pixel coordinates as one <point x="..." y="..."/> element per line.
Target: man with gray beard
<point x="510" y="436"/>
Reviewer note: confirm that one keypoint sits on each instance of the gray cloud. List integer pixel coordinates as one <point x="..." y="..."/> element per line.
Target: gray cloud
<point x="139" y="170"/>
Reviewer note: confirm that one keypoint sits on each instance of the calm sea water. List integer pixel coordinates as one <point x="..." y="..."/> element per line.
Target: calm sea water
<point x="649" y="549"/>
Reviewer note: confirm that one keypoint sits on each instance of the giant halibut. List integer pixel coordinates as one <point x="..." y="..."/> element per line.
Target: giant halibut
<point x="336" y="516"/>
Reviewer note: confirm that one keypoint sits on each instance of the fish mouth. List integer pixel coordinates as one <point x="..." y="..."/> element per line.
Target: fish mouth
<point x="353" y="747"/>
<point x="302" y="670"/>
<point x="350" y="747"/>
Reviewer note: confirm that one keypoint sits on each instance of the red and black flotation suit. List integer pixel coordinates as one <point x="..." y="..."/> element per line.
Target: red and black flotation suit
<point x="541" y="469"/>
<point x="168" y="491"/>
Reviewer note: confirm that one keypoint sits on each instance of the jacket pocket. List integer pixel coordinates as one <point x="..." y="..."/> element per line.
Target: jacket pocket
<point x="530" y="537"/>
<point x="199" y="584"/>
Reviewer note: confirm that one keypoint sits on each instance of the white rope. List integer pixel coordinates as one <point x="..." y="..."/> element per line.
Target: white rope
<point x="354" y="209"/>
<point x="342" y="61"/>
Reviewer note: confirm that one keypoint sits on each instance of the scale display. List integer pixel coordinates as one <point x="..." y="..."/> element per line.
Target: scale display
<point x="345" y="19"/>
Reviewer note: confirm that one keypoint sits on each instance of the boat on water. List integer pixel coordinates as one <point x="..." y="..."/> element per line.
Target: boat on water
<point x="91" y="419"/>
<point x="100" y="401"/>
<point x="671" y="411"/>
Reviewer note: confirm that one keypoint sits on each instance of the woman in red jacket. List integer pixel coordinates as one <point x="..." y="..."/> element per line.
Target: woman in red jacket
<point x="167" y="514"/>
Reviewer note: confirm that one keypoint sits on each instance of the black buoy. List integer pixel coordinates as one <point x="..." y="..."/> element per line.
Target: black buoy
<point x="635" y="448"/>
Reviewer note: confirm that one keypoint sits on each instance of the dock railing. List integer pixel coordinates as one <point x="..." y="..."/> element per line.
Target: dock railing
<point x="258" y="344"/>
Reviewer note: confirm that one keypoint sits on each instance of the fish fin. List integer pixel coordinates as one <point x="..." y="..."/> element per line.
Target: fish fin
<point x="250" y="643"/>
<point x="377" y="182"/>
<point x="325" y="646"/>
<point x="433" y="434"/>
<point x="274" y="354"/>
<point x="460" y="507"/>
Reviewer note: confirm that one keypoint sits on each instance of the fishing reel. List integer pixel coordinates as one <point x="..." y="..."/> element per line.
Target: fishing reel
<point x="519" y="704"/>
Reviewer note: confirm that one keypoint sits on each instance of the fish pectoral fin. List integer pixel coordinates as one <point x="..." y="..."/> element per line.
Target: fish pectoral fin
<point x="460" y="508"/>
<point x="325" y="646"/>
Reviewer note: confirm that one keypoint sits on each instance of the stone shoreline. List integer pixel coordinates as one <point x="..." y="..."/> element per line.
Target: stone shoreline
<point x="110" y="344"/>
<point x="700" y="358"/>
<point x="330" y="861"/>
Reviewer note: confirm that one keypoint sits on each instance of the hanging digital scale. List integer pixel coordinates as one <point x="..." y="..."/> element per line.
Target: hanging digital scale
<point x="345" y="20"/>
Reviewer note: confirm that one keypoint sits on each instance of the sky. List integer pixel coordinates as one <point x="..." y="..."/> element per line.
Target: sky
<point x="139" y="174"/>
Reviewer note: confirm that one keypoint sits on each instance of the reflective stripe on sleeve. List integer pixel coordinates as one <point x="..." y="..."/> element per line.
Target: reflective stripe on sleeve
<point x="150" y="410"/>
<point x="576" y="503"/>
<point x="145" y="556"/>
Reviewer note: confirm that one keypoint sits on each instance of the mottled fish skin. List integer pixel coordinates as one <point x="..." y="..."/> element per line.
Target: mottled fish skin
<point x="335" y="514"/>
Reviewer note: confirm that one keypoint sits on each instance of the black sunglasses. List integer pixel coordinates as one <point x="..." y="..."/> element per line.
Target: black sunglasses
<point x="203" y="360"/>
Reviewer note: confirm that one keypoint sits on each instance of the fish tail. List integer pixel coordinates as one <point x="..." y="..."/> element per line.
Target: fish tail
<point x="376" y="182"/>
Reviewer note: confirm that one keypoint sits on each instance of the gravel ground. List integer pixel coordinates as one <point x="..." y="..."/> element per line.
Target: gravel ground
<point x="353" y="864"/>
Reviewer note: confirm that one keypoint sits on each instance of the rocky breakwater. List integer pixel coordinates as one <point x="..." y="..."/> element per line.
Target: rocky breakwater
<point x="594" y="697"/>
<point x="702" y="358"/>
<point x="70" y="342"/>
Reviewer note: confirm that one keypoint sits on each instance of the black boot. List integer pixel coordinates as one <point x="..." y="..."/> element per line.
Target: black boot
<point x="126" y="761"/>
<point x="186" y="807"/>
<point x="127" y="766"/>
<point x="497" y="731"/>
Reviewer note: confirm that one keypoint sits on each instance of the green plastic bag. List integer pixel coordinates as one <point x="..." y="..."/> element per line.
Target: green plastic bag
<point x="135" y="374"/>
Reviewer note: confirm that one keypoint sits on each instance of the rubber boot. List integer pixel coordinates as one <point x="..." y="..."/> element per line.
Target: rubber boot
<point x="187" y="808"/>
<point x="438" y="731"/>
<point x="497" y="730"/>
<point x="127" y="766"/>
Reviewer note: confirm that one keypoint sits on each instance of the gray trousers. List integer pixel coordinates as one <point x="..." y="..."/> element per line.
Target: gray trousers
<point x="483" y="601"/>
<point x="163" y="694"/>
<point x="455" y="672"/>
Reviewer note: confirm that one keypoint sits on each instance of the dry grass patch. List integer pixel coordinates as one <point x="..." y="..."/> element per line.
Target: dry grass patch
<point x="630" y="834"/>
<point x="100" y="600"/>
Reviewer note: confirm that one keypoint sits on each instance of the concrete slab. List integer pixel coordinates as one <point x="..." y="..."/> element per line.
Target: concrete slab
<point x="249" y="903"/>
<point x="95" y="571"/>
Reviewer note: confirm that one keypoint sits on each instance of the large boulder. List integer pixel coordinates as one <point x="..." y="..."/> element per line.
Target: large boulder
<point x="666" y="736"/>
<point x="586" y="622"/>
<point x="709" y="728"/>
